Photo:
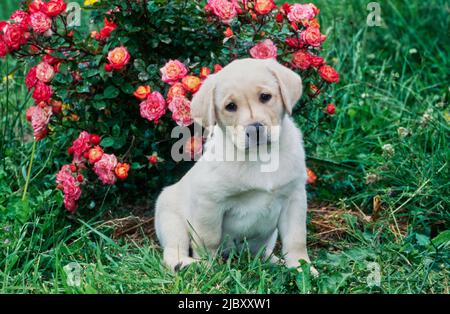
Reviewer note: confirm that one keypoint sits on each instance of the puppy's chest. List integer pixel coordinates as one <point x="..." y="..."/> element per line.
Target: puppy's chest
<point x="253" y="213"/>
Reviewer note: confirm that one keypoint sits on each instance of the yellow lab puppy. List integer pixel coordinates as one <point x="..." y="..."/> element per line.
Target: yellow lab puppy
<point x="229" y="197"/>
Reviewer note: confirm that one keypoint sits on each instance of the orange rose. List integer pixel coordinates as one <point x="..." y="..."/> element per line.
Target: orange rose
<point x="176" y="90"/>
<point x="311" y="176"/>
<point x="95" y="154"/>
<point x="264" y="6"/>
<point x="118" y="58"/>
<point x="191" y="83"/>
<point x="142" y="92"/>
<point x="122" y="170"/>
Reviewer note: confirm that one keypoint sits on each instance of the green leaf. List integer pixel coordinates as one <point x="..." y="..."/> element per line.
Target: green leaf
<point x="442" y="238"/>
<point x="110" y="92"/>
<point x="107" y="142"/>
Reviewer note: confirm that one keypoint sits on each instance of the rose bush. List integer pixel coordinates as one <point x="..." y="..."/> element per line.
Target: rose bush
<point x="111" y="95"/>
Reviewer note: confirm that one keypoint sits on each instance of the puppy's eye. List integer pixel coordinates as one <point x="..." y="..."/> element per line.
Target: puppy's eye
<point x="231" y="107"/>
<point x="265" y="97"/>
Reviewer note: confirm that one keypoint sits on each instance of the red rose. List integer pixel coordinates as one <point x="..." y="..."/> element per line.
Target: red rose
<point x="42" y="92"/>
<point x="3" y="47"/>
<point x="264" y="6"/>
<point x="301" y="59"/>
<point x="54" y="7"/>
<point x="317" y="61"/>
<point x="14" y="36"/>
<point x="118" y="58"/>
<point x="285" y="8"/>
<point x="35" y="6"/>
<point x="30" y="79"/>
<point x="106" y="31"/>
<point x="329" y="74"/>
<point x="294" y="42"/>
<point x="40" y="22"/>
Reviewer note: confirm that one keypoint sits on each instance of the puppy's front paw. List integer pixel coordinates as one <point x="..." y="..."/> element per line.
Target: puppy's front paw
<point x="295" y="263"/>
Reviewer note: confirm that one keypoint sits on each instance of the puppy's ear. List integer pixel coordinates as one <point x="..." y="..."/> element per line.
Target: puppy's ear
<point x="203" y="109"/>
<point x="290" y="84"/>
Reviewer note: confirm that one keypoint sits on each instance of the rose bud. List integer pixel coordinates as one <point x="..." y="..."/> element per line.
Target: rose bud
<point x="95" y="154"/>
<point x="331" y="108"/>
<point x="80" y="178"/>
<point x="95" y="139"/>
<point x="73" y="168"/>
<point x="142" y="92"/>
<point x="153" y="159"/>
<point x="56" y="106"/>
<point x="294" y="26"/>
<point x="228" y="32"/>
<point x="70" y="150"/>
<point x="108" y="67"/>
<point x="217" y="68"/>
<point x="122" y="170"/>
<point x="204" y="72"/>
<point x="86" y="155"/>
<point x="279" y="17"/>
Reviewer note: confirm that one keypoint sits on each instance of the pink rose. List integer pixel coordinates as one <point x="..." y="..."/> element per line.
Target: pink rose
<point x="40" y="117"/>
<point x="118" y="58"/>
<point x="312" y="36"/>
<point x="299" y="12"/>
<point x="225" y="10"/>
<point x="21" y="18"/>
<point x="154" y="107"/>
<point x="181" y="110"/>
<point x="44" y="72"/>
<point x="80" y="146"/>
<point x="264" y="50"/>
<point x="105" y="167"/>
<point x="70" y="187"/>
<point x="36" y="6"/>
<point x="42" y="92"/>
<point x="40" y="22"/>
<point x="173" y="71"/>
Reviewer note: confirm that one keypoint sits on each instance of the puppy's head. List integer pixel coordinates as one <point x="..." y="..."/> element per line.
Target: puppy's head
<point x="248" y="99"/>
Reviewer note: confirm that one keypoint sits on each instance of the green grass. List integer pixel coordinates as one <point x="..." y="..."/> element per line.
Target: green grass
<point x="391" y="77"/>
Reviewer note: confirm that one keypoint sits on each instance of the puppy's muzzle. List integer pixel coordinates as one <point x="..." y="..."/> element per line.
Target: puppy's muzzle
<point x="256" y="134"/>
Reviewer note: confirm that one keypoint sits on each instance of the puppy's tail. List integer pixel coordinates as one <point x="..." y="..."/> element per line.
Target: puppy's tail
<point x="171" y="230"/>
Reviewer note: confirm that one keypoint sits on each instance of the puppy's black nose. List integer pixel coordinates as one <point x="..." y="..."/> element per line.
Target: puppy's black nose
<point x="256" y="132"/>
